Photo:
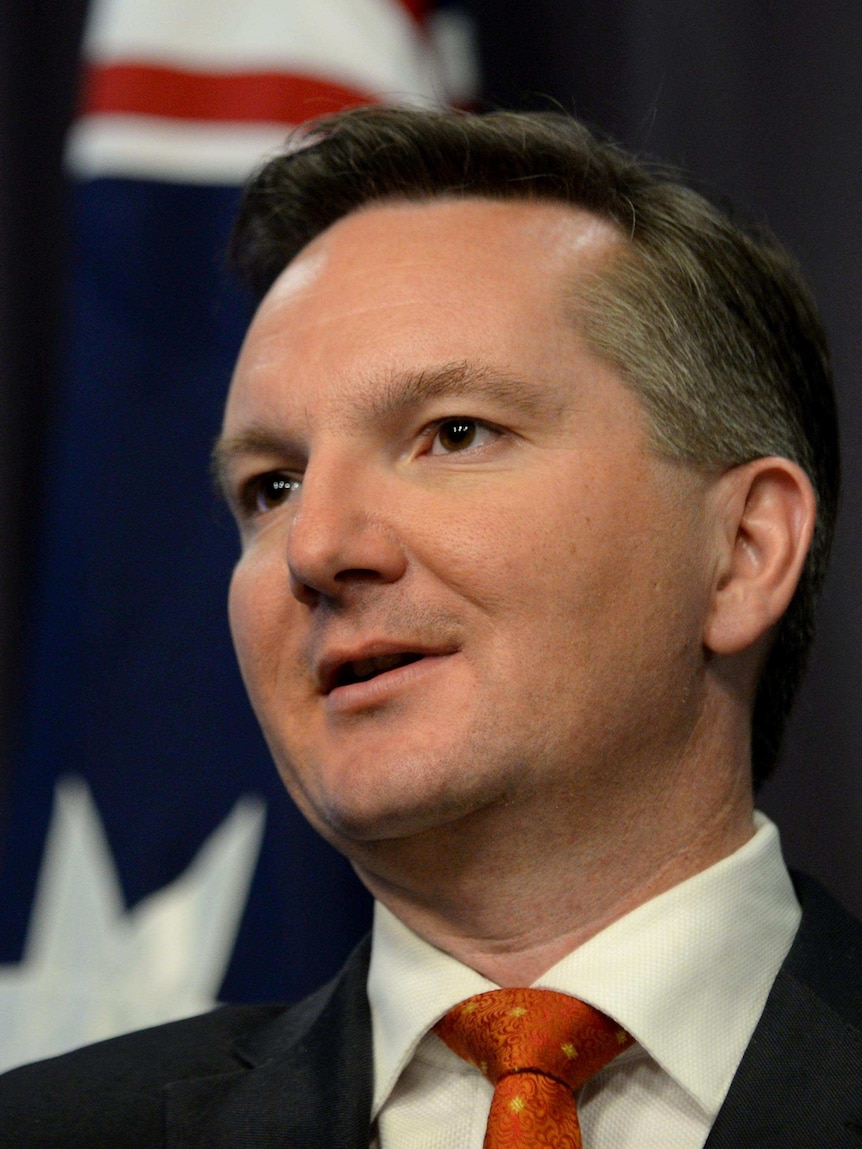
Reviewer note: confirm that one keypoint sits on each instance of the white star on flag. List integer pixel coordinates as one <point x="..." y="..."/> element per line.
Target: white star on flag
<point x="92" y="969"/>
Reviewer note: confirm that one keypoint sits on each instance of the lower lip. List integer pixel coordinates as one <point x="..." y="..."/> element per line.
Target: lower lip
<point x="383" y="687"/>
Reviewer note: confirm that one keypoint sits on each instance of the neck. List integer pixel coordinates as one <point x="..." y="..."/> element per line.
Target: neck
<point x="511" y="890"/>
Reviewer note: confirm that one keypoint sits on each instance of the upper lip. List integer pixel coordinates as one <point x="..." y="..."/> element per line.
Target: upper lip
<point x="332" y="666"/>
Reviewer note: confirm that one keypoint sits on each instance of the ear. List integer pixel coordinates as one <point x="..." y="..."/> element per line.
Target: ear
<point x="765" y="512"/>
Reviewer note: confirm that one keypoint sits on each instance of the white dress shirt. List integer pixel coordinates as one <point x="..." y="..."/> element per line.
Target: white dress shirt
<point x="687" y="974"/>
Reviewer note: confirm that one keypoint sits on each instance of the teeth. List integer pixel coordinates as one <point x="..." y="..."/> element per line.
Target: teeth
<point x="362" y="669"/>
<point x="368" y="667"/>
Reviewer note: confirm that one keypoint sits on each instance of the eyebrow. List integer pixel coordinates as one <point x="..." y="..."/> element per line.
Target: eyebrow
<point x="408" y="390"/>
<point x="256" y="439"/>
<point x="384" y="403"/>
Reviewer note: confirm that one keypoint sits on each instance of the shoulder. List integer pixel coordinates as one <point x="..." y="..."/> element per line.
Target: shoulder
<point x="122" y="1080"/>
<point x="826" y="956"/>
<point x="800" y="1080"/>
<point x="114" y="1093"/>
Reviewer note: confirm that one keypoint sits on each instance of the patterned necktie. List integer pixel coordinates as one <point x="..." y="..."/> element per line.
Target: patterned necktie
<point x="537" y="1048"/>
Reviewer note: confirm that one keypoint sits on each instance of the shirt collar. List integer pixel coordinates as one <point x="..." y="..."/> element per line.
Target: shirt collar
<point x="687" y="973"/>
<point x="411" y="985"/>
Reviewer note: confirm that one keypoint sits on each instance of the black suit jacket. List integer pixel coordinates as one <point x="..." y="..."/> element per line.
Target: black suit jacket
<point x="265" y="1077"/>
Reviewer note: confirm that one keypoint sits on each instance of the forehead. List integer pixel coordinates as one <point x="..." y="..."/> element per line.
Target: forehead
<point x="472" y="239"/>
<point x="395" y="286"/>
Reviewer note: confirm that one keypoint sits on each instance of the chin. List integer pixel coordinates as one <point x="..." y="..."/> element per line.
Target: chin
<point x="346" y="824"/>
<point x="355" y="817"/>
<point x="368" y="793"/>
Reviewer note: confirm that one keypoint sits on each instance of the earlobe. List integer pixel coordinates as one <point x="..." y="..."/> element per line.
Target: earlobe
<point x="765" y="512"/>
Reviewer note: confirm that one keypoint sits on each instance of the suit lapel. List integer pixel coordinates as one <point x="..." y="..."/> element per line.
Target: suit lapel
<point x="304" y="1081"/>
<point x="799" y="1085"/>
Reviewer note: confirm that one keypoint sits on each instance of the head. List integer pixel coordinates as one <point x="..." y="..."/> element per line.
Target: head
<point x="711" y="327"/>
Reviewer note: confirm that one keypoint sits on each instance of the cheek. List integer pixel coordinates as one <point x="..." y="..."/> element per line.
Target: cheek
<point x="254" y="607"/>
<point x="529" y="560"/>
<point x="242" y="624"/>
<point x="604" y="565"/>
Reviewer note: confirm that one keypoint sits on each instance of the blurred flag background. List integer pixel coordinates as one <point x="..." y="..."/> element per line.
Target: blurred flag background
<point x="176" y="870"/>
<point x="128" y="679"/>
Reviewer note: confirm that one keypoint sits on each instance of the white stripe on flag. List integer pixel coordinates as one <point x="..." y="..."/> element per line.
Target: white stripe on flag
<point x="373" y="45"/>
<point x="177" y="151"/>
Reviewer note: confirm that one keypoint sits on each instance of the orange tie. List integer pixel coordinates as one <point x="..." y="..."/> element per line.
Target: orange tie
<point x="537" y="1048"/>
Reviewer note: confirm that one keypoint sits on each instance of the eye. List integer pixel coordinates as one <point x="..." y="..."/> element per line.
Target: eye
<point x="265" y="492"/>
<point x="459" y="434"/>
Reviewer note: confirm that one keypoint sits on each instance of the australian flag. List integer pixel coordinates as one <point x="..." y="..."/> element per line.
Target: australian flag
<point x="154" y="880"/>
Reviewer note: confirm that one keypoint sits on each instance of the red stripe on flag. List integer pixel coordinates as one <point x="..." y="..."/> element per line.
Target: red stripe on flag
<point x="418" y="9"/>
<point x="247" y="97"/>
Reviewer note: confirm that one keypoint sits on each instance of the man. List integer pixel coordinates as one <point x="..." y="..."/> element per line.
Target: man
<point x="534" y="460"/>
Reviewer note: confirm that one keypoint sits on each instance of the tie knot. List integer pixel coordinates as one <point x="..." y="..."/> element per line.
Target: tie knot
<point x="521" y="1030"/>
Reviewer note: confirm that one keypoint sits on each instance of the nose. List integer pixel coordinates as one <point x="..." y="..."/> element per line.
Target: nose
<point x="341" y="536"/>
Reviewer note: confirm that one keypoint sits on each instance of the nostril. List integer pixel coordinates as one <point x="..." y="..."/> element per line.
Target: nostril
<point x="333" y="548"/>
<point x="302" y="592"/>
<point x="358" y="574"/>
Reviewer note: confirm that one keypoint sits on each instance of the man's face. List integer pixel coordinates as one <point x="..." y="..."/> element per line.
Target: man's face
<point x="465" y="580"/>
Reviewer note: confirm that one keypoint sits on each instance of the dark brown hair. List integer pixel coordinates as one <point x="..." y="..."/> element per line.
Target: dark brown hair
<point x="711" y="325"/>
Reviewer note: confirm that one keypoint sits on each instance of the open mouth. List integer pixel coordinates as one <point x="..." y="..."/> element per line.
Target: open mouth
<point x="364" y="669"/>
